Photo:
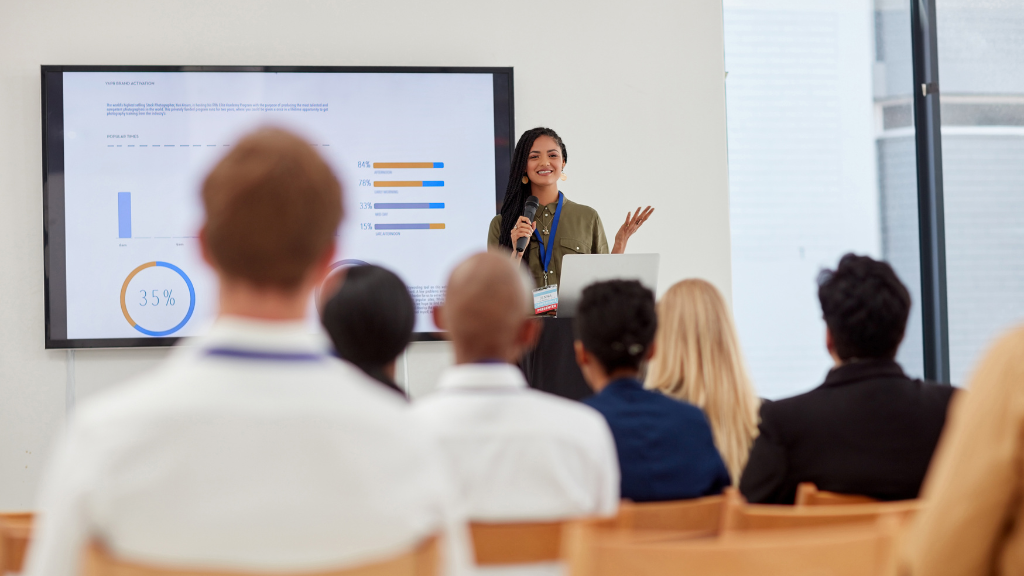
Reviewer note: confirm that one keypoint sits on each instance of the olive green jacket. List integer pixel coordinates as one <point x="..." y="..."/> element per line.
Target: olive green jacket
<point x="579" y="232"/>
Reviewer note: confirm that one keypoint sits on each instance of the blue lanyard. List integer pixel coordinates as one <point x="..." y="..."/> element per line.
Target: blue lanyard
<point x="545" y="255"/>
<point x="241" y="354"/>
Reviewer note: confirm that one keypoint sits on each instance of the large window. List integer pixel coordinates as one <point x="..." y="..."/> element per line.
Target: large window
<point x="981" y="73"/>
<point x="834" y="147"/>
<point x="821" y="163"/>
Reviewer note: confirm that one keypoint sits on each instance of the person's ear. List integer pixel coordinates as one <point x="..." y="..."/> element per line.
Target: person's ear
<point x="829" y="343"/>
<point x="529" y="333"/>
<point x="581" y="353"/>
<point x="649" y="353"/>
<point x="204" y="248"/>
<point x="323" y="264"/>
<point x="438" y="314"/>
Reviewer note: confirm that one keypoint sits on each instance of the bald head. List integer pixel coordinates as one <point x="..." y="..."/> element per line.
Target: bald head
<point x="486" y="309"/>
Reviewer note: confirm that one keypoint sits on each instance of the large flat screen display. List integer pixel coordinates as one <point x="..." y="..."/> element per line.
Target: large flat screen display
<point x="422" y="153"/>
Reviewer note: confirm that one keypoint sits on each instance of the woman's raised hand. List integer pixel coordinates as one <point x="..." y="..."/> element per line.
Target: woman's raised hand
<point x="523" y="229"/>
<point x="634" y="220"/>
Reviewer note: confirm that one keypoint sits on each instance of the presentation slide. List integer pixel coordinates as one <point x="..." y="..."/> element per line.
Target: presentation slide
<point x="415" y="153"/>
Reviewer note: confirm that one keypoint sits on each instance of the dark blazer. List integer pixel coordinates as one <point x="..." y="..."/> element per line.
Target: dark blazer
<point x="666" y="451"/>
<point x="867" y="430"/>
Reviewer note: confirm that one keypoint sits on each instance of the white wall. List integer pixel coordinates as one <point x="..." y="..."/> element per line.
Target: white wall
<point x="635" y="89"/>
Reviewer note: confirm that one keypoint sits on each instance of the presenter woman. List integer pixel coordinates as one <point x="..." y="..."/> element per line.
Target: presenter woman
<point x="561" y="226"/>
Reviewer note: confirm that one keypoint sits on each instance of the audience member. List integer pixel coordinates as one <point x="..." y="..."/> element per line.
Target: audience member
<point x="517" y="454"/>
<point x="869" y="429"/>
<point x="370" y="319"/>
<point x="699" y="361"/>
<point x="665" y="446"/>
<point x="252" y="449"/>
<point x="972" y="524"/>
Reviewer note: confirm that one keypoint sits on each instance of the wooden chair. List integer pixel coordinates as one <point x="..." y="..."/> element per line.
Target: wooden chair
<point x="420" y="561"/>
<point x="516" y="542"/>
<point x="15" y="534"/>
<point x="700" y="515"/>
<point x="739" y="516"/>
<point x="807" y="494"/>
<point x="856" y="550"/>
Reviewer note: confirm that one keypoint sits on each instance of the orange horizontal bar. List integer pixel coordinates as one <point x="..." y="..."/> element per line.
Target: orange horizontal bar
<point x="403" y="164"/>
<point x="437" y="226"/>
<point x="398" y="184"/>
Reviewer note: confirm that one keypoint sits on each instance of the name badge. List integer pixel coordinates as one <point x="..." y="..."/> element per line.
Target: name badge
<point x="545" y="299"/>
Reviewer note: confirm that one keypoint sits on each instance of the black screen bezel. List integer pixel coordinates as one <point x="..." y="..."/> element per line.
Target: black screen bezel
<point x="54" y="257"/>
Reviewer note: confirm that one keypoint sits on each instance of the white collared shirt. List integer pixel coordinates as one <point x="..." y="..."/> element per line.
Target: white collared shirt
<point x="253" y="450"/>
<point x="518" y="454"/>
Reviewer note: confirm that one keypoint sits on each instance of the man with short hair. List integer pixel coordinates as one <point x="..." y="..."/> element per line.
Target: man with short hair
<point x="665" y="446"/>
<point x="869" y="429"/>
<point x="252" y="449"/>
<point x="517" y="454"/>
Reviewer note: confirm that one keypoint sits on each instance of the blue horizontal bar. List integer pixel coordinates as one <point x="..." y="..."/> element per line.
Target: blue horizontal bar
<point x="438" y="164"/>
<point x="401" y="226"/>
<point x="432" y="183"/>
<point x="409" y="206"/>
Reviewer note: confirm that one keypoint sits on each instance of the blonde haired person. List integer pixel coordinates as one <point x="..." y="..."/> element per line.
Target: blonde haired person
<point x="698" y="360"/>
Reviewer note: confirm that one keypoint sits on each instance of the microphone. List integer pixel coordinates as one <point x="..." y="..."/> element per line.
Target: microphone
<point x="530" y="210"/>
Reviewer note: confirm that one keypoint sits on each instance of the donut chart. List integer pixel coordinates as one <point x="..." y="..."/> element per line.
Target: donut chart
<point x="191" y="305"/>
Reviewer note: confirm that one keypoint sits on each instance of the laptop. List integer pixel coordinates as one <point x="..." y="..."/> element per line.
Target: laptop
<point x="582" y="270"/>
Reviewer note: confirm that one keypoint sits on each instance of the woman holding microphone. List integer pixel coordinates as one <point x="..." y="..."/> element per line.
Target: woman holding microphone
<point x="561" y="226"/>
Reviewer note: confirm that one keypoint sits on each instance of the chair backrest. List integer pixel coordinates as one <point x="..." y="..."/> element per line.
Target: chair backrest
<point x="740" y="516"/>
<point x="516" y="542"/>
<point x="697" y="515"/>
<point x="856" y="550"/>
<point x="807" y="494"/>
<point x="420" y="561"/>
<point x="15" y="534"/>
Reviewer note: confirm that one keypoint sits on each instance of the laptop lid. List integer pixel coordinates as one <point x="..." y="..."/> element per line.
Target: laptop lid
<point x="582" y="270"/>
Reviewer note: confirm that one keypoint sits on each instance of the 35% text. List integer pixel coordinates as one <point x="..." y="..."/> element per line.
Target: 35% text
<point x="152" y="298"/>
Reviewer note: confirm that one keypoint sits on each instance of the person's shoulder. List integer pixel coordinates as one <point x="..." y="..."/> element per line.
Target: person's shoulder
<point x="786" y="409"/>
<point x="682" y="407"/>
<point x="597" y="400"/>
<point x="579" y="210"/>
<point x="496" y="222"/>
<point x="1000" y="369"/>
<point x="934" y="390"/>
<point x="563" y="411"/>
<point x="344" y="379"/>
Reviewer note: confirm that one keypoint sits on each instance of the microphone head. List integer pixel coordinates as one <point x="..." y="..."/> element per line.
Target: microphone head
<point x="530" y="209"/>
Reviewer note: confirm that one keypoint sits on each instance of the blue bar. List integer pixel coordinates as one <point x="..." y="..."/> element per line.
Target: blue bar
<point x="401" y="226"/>
<point x="409" y="206"/>
<point x="438" y="164"/>
<point x="433" y="183"/>
<point x="124" y="214"/>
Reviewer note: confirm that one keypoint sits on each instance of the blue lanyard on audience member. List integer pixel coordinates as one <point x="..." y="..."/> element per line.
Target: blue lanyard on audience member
<point x="274" y="356"/>
<point x="545" y="255"/>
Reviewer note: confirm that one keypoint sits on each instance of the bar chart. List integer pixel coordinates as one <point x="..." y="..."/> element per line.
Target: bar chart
<point x="124" y="214"/>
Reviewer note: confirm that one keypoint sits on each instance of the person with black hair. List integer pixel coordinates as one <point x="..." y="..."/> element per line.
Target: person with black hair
<point x="665" y="446"/>
<point x="869" y="429"/>
<point x="561" y="226"/>
<point x="370" y="319"/>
